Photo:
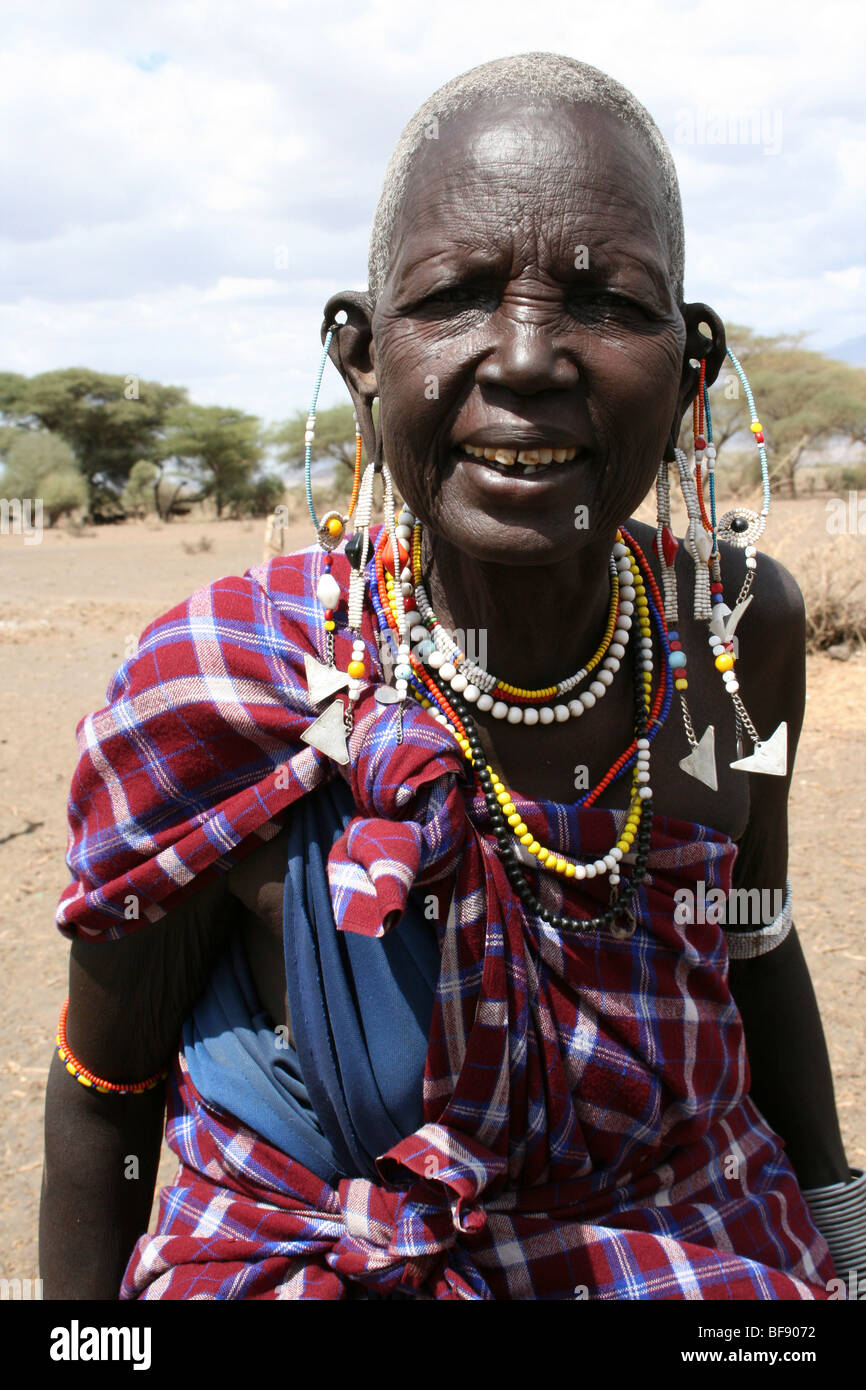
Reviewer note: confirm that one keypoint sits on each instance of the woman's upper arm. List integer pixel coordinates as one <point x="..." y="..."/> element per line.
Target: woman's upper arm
<point x="128" y="999"/>
<point x="772" y="673"/>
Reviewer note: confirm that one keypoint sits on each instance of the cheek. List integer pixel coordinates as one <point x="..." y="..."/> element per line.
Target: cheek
<point x="414" y="413"/>
<point x="632" y="391"/>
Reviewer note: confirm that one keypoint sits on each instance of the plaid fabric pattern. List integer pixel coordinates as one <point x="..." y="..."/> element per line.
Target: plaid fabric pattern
<point x="586" y="1115"/>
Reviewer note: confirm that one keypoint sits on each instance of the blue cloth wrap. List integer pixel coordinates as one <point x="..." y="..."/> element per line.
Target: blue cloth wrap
<point x="360" y="1009"/>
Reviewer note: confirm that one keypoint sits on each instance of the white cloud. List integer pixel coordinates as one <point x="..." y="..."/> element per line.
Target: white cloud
<point x="187" y="184"/>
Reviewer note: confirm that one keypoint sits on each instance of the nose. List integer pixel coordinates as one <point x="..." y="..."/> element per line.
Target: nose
<point x="523" y="354"/>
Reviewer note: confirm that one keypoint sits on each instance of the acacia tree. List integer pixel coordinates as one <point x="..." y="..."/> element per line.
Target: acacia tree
<point x="335" y="437"/>
<point x="108" y="421"/>
<point x="802" y="398"/>
<point x="217" y="448"/>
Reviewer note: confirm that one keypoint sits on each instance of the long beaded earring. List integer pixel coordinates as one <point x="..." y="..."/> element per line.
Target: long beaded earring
<point x="742" y="527"/>
<point x="328" y="733"/>
<point x="700" y="761"/>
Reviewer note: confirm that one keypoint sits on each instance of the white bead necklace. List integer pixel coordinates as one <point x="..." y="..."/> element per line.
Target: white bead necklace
<point x="438" y="650"/>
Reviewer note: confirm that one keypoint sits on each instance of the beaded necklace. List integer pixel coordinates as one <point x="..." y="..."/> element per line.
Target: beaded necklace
<point x="507" y="701"/>
<point x="453" y="712"/>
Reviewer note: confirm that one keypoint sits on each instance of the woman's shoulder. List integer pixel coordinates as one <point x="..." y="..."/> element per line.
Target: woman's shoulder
<point x="268" y="609"/>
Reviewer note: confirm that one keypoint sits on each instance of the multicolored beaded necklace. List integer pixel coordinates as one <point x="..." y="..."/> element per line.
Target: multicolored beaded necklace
<point x="515" y="841"/>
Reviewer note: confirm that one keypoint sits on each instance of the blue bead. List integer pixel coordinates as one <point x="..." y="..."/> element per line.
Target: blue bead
<point x="673" y="636"/>
<point x="718" y="598"/>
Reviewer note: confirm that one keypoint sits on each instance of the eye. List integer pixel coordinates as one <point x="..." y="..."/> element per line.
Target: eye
<point x="606" y="304"/>
<point x="480" y="295"/>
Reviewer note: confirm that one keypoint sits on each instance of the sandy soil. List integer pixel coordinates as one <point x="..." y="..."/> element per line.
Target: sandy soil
<point x="69" y="606"/>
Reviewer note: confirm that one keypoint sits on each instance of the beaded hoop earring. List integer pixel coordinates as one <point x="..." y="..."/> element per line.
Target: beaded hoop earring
<point x="741" y="527"/>
<point x="329" y="733"/>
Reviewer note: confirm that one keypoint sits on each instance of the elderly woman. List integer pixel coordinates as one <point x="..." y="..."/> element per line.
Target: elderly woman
<point x="444" y="1031"/>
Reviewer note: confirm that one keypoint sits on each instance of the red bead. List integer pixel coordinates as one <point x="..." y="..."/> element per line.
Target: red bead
<point x="700" y="442"/>
<point x="676" y="646"/>
<point x="759" y="439"/>
<point x="670" y="546"/>
<point x="388" y="559"/>
<point x="409" y="605"/>
<point x="716" y="589"/>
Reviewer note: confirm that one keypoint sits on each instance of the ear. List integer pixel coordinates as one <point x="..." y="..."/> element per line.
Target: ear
<point x="705" y="338"/>
<point x="351" y="352"/>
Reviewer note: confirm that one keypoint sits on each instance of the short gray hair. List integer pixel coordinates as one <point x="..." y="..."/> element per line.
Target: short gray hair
<point x="548" y="76"/>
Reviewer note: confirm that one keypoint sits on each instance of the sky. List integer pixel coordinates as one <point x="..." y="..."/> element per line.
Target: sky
<point x="186" y="183"/>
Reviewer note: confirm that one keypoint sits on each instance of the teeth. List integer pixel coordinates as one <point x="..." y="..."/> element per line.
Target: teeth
<point x="528" y="458"/>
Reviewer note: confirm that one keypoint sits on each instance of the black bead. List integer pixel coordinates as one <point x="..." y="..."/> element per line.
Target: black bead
<point x="740" y="524"/>
<point x="354" y="549"/>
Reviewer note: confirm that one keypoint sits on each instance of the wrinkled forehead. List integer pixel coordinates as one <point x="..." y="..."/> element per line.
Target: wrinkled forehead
<point x="518" y="171"/>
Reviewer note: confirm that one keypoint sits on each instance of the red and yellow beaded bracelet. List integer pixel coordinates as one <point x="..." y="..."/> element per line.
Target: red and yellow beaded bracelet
<point x="87" y="1078"/>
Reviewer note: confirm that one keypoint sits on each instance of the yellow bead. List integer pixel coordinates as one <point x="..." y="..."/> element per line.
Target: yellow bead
<point x="569" y="871"/>
<point x="756" y="427"/>
<point x="725" y="662"/>
<point x="502" y="798"/>
<point x="681" y="684"/>
<point x="509" y="810"/>
<point x="542" y="855"/>
<point x="355" y="669"/>
<point x="561" y="866"/>
<point x="335" y="526"/>
<point x="526" y="839"/>
<point x="330" y="625"/>
<point x="520" y="828"/>
<point x="497" y="785"/>
<point x="534" y="847"/>
<point x="513" y="817"/>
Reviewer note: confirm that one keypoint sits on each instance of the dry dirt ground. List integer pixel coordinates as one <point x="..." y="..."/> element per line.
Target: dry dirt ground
<point x="67" y="609"/>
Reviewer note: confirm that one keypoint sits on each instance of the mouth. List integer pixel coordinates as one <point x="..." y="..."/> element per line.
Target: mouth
<point x="520" y="463"/>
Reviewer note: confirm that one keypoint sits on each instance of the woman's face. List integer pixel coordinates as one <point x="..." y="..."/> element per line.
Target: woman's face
<point x="528" y="306"/>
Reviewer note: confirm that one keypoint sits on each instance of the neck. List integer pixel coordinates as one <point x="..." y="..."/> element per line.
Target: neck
<point x="532" y="625"/>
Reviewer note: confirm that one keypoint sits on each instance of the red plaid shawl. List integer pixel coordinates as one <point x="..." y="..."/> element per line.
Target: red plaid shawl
<point x="583" y="1097"/>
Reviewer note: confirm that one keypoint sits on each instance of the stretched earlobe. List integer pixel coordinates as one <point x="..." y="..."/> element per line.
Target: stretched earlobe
<point x="350" y="314"/>
<point x="705" y="340"/>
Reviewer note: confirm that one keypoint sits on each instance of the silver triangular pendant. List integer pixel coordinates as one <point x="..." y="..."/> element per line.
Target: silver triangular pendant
<point x="723" y="623"/>
<point x="770" y="757"/>
<point x="322" y="680"/>
<point x="701" y="762"/>
<point x="328" y="733"/>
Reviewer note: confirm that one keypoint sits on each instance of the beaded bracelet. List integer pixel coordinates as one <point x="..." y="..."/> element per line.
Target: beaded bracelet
<point x="747" y="945"/>
<point x="839" y="1212"/>
<point x="87" y="1078"/>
